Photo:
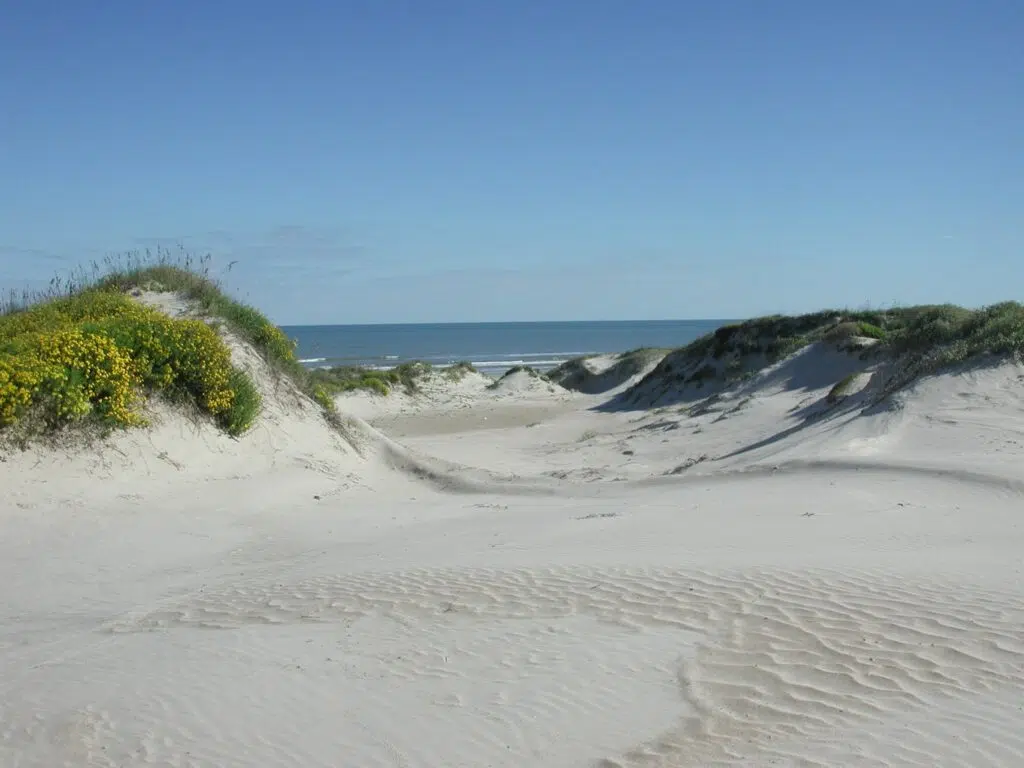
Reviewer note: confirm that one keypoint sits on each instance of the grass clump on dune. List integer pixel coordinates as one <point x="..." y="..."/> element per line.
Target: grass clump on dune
<point x="773" y="337"/>
<point x="353" y="378"/>
<point x="848" y="330"/>
<point x="190" y="278"/>
<point x="336" y="381"/>
<point x="841" y="389"/>
<point x="458" y="371"/>
<point x="626" y="364"/>
<point x="575" y="374"/>
<point x="937" y="337"/>
<point x="922" y="339"/>
<point x="528" y="370"/>
<point x="901" y="331"/>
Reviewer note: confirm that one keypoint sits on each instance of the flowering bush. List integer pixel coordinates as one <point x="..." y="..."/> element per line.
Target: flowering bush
<point x="92" y="355"/>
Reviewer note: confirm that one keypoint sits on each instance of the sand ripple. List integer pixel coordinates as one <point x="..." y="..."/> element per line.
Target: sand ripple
<point x="759" y="667"/>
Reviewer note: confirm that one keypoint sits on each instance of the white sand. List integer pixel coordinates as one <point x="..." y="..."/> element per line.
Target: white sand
<point x="762" y="579"/>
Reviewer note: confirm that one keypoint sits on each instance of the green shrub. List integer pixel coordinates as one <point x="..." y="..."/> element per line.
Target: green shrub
<point x="349" y="378"/>
<point x="704" y="373"/>
<point x="940" y="336"/>
<point x="841" y="389"/>
<point x="870" y="331"/>
<point x="409" y="374"/>
<point x="191" y="279"/>
<point x="842" y="332"/>
<point x="323" y="398"/>
<point x="67" y="375"/>
<point x="179" y="272"/>
<point x="94" y="354"/>
<point x="246" y="404"/>
<point x="931" y="327"/>
<point x="529" y="370"/>
<point x="459" y="371"/>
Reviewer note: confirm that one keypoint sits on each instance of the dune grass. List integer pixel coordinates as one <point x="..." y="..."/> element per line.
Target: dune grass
<point x="946" y="333"/>
<point x="938" y="337"/>
<point x="625" y="364"/>
<point x="841" y="389"/>
<point x="925" y="339"/>
<point x="82" y="351"/>
<point x="191" y="278"/>
<point x="407" y="376"/>
<point x="574" y="374"/>
<point x="458" y="371"/>
<point x="529" y="370"/>
<point x="353" y="378"/>
<point x="777" y="336"/>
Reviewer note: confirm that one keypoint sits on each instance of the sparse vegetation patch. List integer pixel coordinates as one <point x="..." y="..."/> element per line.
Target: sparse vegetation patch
<point x="459" y="371"/>
<point x="342" y="379"/>
<point x="533" y="373"/>
<point x="870" y="331"/>
<point x="574" y="374"/>
<point x="841" y="389"/>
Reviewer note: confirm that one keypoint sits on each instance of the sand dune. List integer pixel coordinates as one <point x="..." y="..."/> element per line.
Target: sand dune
<point x="765" y="574"/>
<point x="607" y="374"/>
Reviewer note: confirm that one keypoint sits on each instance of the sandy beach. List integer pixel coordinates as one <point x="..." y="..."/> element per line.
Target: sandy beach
<point x="514" y="574"/>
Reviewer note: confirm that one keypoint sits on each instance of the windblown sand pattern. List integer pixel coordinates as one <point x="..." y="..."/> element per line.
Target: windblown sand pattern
<point x="760" y="667"/>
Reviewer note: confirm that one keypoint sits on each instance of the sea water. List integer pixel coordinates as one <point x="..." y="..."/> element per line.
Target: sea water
<point x="492" y="347"/>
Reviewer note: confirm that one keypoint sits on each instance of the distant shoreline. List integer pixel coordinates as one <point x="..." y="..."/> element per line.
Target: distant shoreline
<point x="492" y="348"/>
<point x="498" y="323"/>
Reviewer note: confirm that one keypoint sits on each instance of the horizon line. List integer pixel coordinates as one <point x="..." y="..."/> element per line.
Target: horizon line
<point x="509" y="322"/>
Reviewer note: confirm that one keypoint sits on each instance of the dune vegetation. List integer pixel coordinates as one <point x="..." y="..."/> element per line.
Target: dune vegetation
<point x="86" y="352"/>
<point x="349" y="378"/>
<point x="924" y="339"/>
<point x="407" y="376"/>
<point x="947" y="333"/>
<point x="576" y="373"/>
<point x="527" y="370"/>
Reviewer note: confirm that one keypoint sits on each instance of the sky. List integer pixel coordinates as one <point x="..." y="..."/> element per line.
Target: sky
<point x="444" y="161"/>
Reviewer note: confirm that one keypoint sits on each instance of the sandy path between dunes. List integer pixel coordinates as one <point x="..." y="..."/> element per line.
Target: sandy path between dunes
<point x="787" y="606"/>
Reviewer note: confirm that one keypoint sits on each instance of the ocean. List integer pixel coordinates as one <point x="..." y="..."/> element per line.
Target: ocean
<point x="492" y="347"/>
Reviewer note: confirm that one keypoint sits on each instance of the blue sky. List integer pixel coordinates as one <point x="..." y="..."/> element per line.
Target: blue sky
<point x="433" y="160"/>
